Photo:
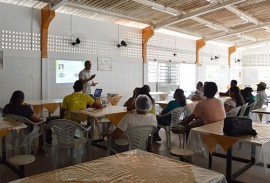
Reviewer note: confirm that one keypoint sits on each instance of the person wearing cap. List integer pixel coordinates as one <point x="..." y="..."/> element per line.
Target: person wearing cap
<point x="141" y="117"/>
<point x="261" y="95"/>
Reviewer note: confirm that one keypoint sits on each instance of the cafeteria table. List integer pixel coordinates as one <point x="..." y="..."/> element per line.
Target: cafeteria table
<point x="131" y="166"/>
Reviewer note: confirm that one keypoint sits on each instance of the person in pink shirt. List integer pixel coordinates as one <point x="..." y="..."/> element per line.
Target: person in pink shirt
<point x="206" y="111"/>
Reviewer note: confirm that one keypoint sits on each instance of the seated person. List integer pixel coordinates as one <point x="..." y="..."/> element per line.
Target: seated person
<point x="140" y="118"/>
<point x="233" y="83"/>
<point x="16" y="106"/>
<point x="235" y="100"/>
<point x="180" y="101"/>
<point x="261" y="96"/>
<point x="198" y="94"/>
<point x="77" y="101"/>
<point x="74" y="101"/>
<point x="247" y="95"/>
<point x="249" y="98"/>
<point x="147" y="87"/>
<point x="205" y="112"/>
<point x="144" y="91"/>
<point x="130" y="103"/>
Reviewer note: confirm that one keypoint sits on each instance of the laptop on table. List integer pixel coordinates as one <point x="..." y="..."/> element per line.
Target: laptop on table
<point x="97" y="93"/>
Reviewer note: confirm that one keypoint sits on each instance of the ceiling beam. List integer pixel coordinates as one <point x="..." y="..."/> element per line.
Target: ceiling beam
<point x="183" y="17"/>
<point x="246" y="37"/>
<point x="54" y="4"/>
<point x="252" y="43"/>
<point x="95" y="10"/>
<point x="243" y="15"/>
<point x="211" y="24"/>
<point x="184" y="31"/>
<point x="261" y="26"/>
<point x="158" y="6"/>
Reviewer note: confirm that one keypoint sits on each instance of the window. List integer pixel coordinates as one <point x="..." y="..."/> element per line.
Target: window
<point x="163" y="72"/>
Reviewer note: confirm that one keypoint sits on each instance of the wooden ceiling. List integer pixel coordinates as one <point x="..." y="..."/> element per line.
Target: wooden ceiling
<point x="238" y="22"/>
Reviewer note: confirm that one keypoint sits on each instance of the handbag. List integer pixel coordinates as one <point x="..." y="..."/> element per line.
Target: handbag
<point x="238" y="126"/>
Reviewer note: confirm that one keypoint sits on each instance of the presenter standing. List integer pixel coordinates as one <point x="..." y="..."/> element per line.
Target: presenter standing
<point x="87" y="77"/>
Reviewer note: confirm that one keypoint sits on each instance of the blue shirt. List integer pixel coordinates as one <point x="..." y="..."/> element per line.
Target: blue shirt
<point x="171" y="105"/>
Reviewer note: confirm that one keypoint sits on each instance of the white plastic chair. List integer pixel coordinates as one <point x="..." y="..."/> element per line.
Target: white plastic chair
<point x="65" y="132"/>
<point x="38" y="129"/>
<point x="137" y="137"/>
<point x="175" y="115"/>
<point x="243" y="109"/>
<point x="233" y="112"/>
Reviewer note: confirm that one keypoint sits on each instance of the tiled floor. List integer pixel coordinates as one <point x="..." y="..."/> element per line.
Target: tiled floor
<point x="45" y="163"/>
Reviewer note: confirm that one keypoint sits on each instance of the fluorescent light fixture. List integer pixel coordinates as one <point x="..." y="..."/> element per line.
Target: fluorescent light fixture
<point x="219" y="43"/>
<point x="178" y="34"/>
<point x="211" y="27"/>
<point x="248" y="38"/>
<point x="164" y="10"/>
<point x="256" y="46"/>
<point x="244" y="18"/>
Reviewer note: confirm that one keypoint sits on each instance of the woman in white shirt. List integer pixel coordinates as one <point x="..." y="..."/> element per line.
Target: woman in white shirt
<point x="141" y="117"/>
<point x="236" y="99"/>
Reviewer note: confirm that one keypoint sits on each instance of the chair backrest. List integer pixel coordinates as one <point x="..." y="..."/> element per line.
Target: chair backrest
<point x="65" y="131"/>
<point x="138" y="136"/>
<point x="175" y="115"/>
<point x="19" y="118"/>
<point x="251" y="106"/>
<point x="233" y="112"/>
<point x="243" y="109"/>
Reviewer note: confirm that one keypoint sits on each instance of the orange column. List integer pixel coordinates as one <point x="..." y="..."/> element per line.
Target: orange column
<point x="147" y="33"/>
<point x="199" y="44"/>
<point x="231" y="50"/>
<point x="46" y="17"/>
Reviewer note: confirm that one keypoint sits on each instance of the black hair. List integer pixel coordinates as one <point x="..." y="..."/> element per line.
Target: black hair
<point x="145" y="91"/>
<point x="180" y="93"/>
<point x="200" y="83"/>
<point x="86" y="62"/>
<point x="78" y="86"/>
<point x="17" y="97"/>
<point x="147" y="87"/>
<point x="238" y="97"/>
<point x="210" y="89"/>
<point x="246" y="92"/>
<point x="234" y="82"/>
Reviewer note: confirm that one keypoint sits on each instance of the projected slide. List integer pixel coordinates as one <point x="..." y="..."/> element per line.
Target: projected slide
<point x="67" y="71"/>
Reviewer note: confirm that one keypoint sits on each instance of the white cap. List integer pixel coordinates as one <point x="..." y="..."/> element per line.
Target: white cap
<point x="143" y="103"/>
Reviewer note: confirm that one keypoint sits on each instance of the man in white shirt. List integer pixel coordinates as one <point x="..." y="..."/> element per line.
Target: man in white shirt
<point x="87" y="78"/>
<point x="261" y="95"/>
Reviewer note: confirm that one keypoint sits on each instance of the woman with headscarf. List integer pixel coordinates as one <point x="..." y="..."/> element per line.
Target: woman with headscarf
<point x="141" y="117"/>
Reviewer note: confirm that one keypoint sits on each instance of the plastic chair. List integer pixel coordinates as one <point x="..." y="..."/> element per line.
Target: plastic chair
<point x="137" y="137"/>
<point x="65" y="132"/>
<point x="175" y="115"/>
<point x="243" y="109"/>
<point x="38" y="129"/>
<point x="233" y="112"/>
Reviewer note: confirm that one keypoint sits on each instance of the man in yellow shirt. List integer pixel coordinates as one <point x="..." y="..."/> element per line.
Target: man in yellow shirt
<point x="77" y="101"/>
